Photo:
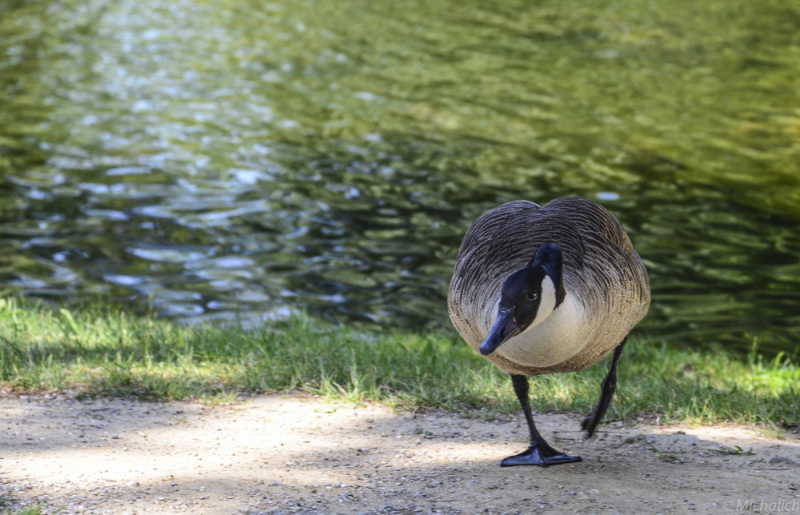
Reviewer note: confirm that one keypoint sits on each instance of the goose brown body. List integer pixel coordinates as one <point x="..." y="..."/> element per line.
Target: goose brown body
<point x="606" y="283"/>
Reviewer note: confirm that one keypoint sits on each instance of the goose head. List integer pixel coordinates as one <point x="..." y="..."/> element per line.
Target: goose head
<point x="528" y="297"/>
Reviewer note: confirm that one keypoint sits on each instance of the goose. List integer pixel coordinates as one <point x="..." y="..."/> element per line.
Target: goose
<point x="538" y="290"/>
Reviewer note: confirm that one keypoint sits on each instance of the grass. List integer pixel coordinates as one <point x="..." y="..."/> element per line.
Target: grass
<point x="30" y="510"/>
<point x="102" y="351"/>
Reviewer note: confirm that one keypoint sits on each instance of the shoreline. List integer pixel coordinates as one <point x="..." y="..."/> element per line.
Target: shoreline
<point x="99" y="351"/>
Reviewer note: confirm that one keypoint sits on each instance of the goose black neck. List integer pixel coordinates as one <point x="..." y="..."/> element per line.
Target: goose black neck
<point x="549" y="257"/>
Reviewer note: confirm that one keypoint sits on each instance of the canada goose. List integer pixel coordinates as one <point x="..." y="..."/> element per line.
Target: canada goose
<point x="548" y="289"/>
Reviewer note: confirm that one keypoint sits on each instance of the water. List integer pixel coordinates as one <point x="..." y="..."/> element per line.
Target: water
<point x="234" y="160"/>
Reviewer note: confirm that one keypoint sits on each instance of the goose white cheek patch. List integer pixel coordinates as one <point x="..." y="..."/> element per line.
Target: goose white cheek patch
<point x="547" y="303"/>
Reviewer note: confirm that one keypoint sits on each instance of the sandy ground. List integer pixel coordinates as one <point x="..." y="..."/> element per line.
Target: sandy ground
<point x="294" y="454"/>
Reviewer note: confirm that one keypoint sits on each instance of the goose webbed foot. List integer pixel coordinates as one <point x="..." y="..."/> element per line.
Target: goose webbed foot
<point x="595" y="415"/>
<point x="541" y="454"/>
<point x="607" y="389"/>
<point x="591" y="421"/>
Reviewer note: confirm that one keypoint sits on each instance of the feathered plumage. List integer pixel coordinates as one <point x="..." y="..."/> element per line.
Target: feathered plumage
<point x="606" y="283"/>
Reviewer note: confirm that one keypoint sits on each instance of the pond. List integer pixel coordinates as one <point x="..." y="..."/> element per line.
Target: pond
<point x="237" y="160"/>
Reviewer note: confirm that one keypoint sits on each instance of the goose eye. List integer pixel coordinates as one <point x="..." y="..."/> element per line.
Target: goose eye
<point x="532" y="295"/>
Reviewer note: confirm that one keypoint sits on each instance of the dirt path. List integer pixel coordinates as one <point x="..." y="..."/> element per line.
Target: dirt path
<point x="276" y="454"/>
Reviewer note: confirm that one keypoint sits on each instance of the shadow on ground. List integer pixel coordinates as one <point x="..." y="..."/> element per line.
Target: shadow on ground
<point x="297" y="454"/>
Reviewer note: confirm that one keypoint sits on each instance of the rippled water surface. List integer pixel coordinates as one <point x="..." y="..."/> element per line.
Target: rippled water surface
<point x="232" y="160"/>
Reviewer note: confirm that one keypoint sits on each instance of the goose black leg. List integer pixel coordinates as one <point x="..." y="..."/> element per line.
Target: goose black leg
<point x="538" y="452"/>
<point x="607" y="389"/>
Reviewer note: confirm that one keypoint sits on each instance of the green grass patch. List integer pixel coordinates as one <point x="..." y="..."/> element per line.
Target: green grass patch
<point x="102" y="351"/>
<point x="30" y="510"/>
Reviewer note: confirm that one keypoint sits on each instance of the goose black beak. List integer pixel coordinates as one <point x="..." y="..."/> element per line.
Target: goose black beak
<point x="504" y="328"/>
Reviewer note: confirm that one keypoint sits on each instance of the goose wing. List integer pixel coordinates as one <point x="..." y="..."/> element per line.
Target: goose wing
<point x="601" y="267"/>
<point x="610" y="260"/>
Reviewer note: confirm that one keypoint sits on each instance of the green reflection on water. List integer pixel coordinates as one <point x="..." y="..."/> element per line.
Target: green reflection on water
<point x="231" y="158"/>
